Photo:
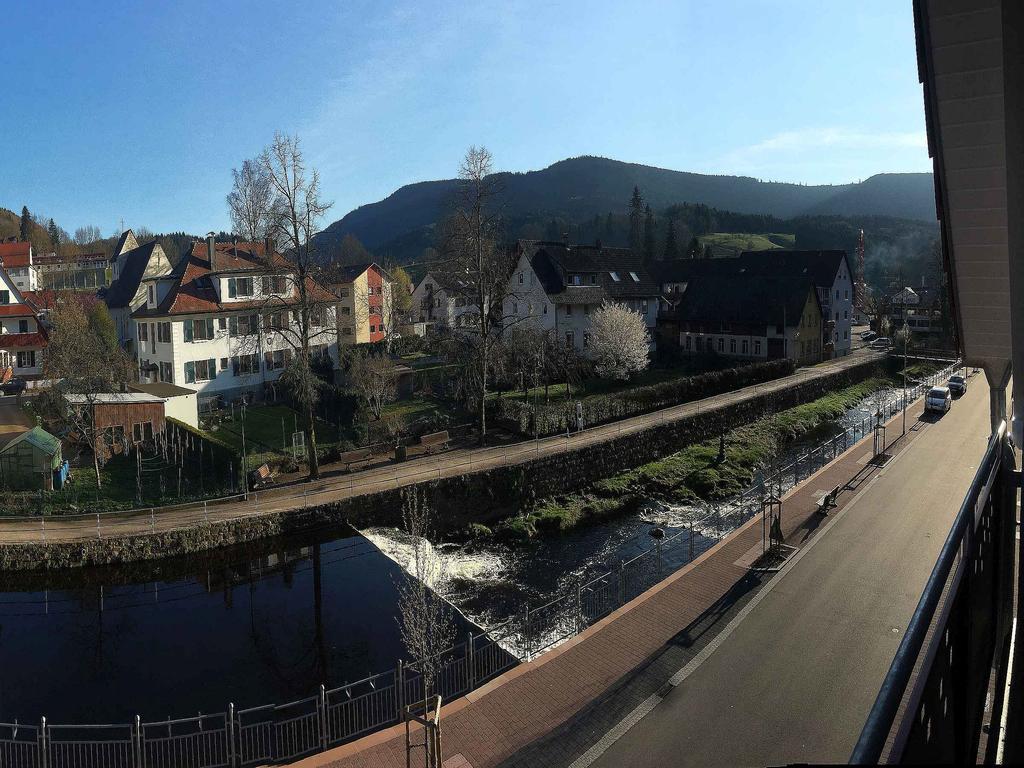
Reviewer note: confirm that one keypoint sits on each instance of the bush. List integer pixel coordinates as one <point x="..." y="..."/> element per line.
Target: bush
<point x="555" y="418"/>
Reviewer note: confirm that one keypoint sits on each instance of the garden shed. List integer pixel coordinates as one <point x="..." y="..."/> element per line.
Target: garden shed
<point x="30" y="460"/>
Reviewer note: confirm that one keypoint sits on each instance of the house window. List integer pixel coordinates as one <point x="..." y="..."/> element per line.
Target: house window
<point x="570" y="339"/>
<point x="200" y="329"/>
<point x="845" y="316"/>
<point x="615" y="276"/>
<point x="576" y="280"/>
<point x="243" y="325"/>
<point x="515" y="308"/>
<point x="721" y="344"/>
<point x="568" y="309"/>
<point x="846" y="294"/>
<point x="166" y="373"/>
<point x="346" y="311"/>
<point x="732" y="345"/>
<point x="239" y="287"/>
<point x="346" y="331"/>
<point x="687" y="341"/>
<point x="222" y="323"/>
<point x="275" y="321"/>
<point x="593" y="279"/>
<point x="846" y="334"/>
<point x="274" y="284"/>
<point x="700" y="343"/>
<point x="142" y="430"/>
<point x="316" y="317"/>
<point x="745" y="346"/>
<point x="23" y="326"/>
<point x="223" y="363"/>
<point x="520" y="278"/>
<point x="200" y="370"/>
<point x="277" y="359"/>
<point x="27" y="359"/>
<point x="143" y="332"/>
<point x="529" y="308"/>
<point x="152" y="295"/>
<point x="373" y="329"/>
<point x="545" y="309"/>
<point x="634" y="276"/>
<point x="757" y="346"/>
<point x="643" y="307"/>
<point x="5" y="297"/>
<point x="163" y="332"/>
<point x="586" y="340"/>
<point x="243" y="365"/>
<point x="586" y="309"/>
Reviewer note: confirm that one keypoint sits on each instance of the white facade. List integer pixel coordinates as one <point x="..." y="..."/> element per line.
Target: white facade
<point x="837" y="306"/>
<point x="21" y="343"/>
<point x="436" y="302"/>
<point x="563" y="314"/>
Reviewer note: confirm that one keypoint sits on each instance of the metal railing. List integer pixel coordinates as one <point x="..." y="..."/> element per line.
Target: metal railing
<point x="283" y="732"/>
<point x="932" y="702"/>
<point x="164" y="519"/>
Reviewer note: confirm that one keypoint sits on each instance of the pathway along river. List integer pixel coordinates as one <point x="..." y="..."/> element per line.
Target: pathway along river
<point x="268" y="622"/>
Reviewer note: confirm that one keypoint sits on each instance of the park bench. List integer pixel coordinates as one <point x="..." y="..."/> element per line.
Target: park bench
<point x="261" y="477"/>
<point x="828" y="500"/>
<point x="354" y="457"/>
<point x="435" y="441"/>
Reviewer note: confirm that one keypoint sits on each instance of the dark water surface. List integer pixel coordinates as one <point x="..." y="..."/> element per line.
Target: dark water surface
<point x="255" y="625"/>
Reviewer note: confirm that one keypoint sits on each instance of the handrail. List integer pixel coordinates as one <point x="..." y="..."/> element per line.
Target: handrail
<point x="868" y="749"/>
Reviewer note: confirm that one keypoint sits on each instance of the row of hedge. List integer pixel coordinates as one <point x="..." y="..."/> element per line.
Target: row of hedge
<point x="554" y="418"/>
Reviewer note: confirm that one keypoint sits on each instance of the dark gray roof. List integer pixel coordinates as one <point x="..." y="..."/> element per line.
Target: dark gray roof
<point x="745" y="299"/>
<point x="120" y="292"/>
<point x="161" y="389"/>
<point x="820" y="267"/>
<point x="556" y="264"/>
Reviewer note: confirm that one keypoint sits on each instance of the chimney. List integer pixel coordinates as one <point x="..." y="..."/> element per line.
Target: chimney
<point x="268" y="247"/>
<point x="210" y="249"/>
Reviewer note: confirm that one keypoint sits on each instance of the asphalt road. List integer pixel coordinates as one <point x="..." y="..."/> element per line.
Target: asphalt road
<point x="794" y="680"/>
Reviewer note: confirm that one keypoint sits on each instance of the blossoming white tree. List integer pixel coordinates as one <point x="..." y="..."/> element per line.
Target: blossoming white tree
<point x="620" y="344"/>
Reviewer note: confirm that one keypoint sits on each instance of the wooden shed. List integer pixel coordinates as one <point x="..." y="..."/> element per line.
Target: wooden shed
<point x="121" y="419"/>
<point x="29" y="461"/>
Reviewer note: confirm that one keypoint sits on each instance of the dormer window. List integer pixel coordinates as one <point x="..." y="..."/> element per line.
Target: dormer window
<point x="152" y="295"/>
<point x="615" y="276"/>
<point x="635" y="278"/>
<point x="576" y="280"/>
<point x="239" y="287"/>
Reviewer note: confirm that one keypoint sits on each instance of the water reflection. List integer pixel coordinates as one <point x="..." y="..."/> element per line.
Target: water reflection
<point x="252" y="625"/>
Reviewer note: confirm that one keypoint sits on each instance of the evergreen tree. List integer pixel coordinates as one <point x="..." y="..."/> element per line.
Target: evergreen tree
<point x="26" y="224"/>
<point x="671" y="247"/>
<point x="648" y="234"/>
<point x="51" y="228"/>
<point x="636" y="221"/>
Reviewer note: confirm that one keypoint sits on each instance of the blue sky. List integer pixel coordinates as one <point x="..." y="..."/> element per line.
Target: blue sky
<point x="139" y="110"/>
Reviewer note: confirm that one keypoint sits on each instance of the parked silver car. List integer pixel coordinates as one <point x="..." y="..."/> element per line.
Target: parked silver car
<point x="938" y="400"/>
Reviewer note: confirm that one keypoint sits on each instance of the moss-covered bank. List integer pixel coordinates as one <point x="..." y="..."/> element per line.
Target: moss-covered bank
<point x="695" y="472"/>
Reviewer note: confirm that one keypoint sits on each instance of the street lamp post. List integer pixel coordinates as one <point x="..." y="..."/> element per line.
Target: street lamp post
<point x="906" y="335"/>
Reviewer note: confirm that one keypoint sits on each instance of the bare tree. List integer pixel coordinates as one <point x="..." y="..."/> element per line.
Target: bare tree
<point x="424" y="619"/>
<point x="375" y="378"/>
<point x="480" y="266"/>
<point x="83" y="363"/>
<point x="251" y="201"/>
<point x="295" y="303"/>
<point x="620" y="344"/>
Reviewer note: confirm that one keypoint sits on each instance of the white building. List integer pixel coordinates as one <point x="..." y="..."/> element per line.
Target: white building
<point x="130" y="265"/>
<point x="180" y="403"/>
<point x="22" y="337"/>
<point x="16" y="259"/>
<point x="224" y="322"/>
<point x="442" y="300"/>
<point x="555" y="287"/>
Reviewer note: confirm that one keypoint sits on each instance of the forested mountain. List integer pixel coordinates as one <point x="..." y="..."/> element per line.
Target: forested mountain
<point x="577" y="190"/>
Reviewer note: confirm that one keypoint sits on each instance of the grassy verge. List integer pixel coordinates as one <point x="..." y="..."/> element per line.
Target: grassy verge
<point x="694" y="472"/>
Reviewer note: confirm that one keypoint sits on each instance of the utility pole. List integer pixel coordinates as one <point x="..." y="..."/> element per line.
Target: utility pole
<point x="906" y="336"/>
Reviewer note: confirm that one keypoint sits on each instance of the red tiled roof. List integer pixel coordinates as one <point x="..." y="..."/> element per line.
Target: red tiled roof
<point x="22" y="340"/>
<point x="77" y="258"/>
<point x="17" y="310"/>
<point x="193" y="291"/>
<point x="47" y="298"/>
<point x="15" y="254"/>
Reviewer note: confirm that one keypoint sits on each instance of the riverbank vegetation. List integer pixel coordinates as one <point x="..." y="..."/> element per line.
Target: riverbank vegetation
<point x="712" y="470"/>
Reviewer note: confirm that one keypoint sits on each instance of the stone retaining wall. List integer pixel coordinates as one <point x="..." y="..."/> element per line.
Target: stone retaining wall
<point x="483" y="496"/>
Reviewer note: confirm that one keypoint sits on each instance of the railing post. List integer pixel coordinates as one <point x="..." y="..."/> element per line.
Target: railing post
<point x="657" y="547"/>
<point x="471" y="660"/>
<point x="137" y="729"/>
<point x="691" y="540"/>
<point x="41" y="742"/>
<point x="622" y="583"/>
<point x="98" y="535"/>
<point x="579" y="608"/>
<point x="321" y="706"/>
<point x="400" y="683"/>
<point x="232" y="761"/>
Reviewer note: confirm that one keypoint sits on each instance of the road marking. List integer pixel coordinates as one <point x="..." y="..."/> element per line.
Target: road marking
<point x="620" y="729"/>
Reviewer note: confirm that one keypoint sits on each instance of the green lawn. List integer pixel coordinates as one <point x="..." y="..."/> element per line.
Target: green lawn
<point x="268" y="429"/>
<point x="415" y="408"/>
<point x="596" y="386"/>
<point x="741" y="241"/>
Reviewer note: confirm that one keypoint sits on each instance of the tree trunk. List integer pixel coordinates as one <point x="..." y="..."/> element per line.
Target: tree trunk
<point x="483" y="394"/>
<point x="96" y="466"/>
<point x="311" y="457"/>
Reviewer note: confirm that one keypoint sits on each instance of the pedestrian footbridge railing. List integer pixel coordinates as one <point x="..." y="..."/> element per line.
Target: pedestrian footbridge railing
<point x="933" y="704"/>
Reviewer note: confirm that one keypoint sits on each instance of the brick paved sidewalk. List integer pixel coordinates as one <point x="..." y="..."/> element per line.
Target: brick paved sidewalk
<point x="519" y="709"/>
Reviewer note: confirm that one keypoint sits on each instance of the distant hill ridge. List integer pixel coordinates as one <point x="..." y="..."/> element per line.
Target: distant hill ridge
<point x="583" y="187"/>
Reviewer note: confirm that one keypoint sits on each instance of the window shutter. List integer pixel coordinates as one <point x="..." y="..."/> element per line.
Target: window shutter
<point x="234" y="365"/>
<point x="212" y="368"/>
<point x="209" y="327"/>
<point x="233" y="326"/>
<point x="232" y="288"/>
<point x="187" y="327"/>
<point x="190" y="372"/>
<point x="268" y="359"/>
